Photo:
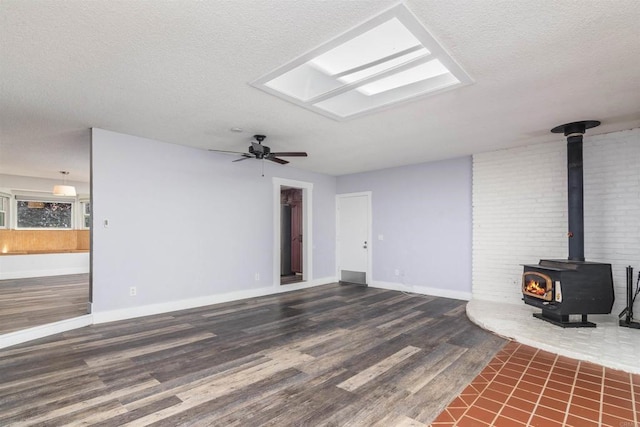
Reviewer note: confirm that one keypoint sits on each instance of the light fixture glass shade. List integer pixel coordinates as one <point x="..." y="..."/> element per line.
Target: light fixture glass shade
<point x="64" y="190"/>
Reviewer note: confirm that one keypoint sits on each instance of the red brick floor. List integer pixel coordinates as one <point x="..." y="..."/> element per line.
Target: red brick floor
<point x="524" y="386"/>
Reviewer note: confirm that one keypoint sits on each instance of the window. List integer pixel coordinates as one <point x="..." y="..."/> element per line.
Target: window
<point x="86" y="214"/>
<point x="43" y="214"/>
<point x="4" y="209"/>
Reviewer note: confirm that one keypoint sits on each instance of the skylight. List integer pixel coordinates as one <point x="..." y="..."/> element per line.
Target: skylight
<point x="390" y="59"/>
<point x="418" y="73"/>
<point x="380" y="42"/>
<point x="353" y="76"/>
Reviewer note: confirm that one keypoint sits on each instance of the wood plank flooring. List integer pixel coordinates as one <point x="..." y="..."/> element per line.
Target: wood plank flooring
<point x="292" y="278"/>
<point x="331" y="355"/>
<point x="25" y="303"/>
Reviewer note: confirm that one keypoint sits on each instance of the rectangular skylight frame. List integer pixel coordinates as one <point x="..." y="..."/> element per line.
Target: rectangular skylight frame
<point x="374" y="63"/>
<point x="430" y="86"/>
<point x="409" y="20"/>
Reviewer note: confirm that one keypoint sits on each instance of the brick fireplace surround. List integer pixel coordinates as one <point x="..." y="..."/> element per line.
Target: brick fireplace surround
<point x="520" y="217"/>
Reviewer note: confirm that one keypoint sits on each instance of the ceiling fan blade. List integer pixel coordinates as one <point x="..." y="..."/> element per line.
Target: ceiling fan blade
<point x="262" y="152"/>
<point x="244" y="157"/>
<point x="227" y="152"/>
<point x="291" y="154"/>
<point x="277" y="160"/>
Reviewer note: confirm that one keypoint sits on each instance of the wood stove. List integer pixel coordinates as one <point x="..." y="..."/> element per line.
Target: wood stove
<point x="565" y="288"/>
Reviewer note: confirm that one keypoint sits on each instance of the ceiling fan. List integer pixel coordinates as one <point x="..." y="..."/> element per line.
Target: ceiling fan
<point x="259" y="151"/>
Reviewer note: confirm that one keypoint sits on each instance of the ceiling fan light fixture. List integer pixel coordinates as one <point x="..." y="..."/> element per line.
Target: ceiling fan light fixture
<point x="389" y="59"/>
<point x="64" y="189"/>
<point x="261" y="152"/>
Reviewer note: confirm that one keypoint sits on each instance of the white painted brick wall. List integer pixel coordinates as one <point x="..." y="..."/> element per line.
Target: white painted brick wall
<point x="520" y="211"/>
<point x="612" y="205"/>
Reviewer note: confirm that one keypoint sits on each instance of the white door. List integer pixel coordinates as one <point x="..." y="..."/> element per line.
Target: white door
<point x="354" y="225"/>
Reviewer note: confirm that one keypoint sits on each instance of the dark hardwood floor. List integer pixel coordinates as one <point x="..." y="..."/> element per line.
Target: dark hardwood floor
<point x="292" y="278"/>
<point x="25" y="303"/>
<point x="331" y="355"/>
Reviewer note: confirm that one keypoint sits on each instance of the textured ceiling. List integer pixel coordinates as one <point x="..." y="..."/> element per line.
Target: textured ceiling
<point x="178" y="71"/>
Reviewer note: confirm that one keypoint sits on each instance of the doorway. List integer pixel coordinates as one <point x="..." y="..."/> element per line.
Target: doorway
<point x="354" y="238"/>
<point x="45" y="265"/>
<point x="291" y="235"/>
<point x="294" y="264"/>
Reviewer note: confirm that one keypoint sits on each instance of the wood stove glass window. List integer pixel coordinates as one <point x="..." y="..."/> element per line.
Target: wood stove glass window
<point x="537" y="285"/>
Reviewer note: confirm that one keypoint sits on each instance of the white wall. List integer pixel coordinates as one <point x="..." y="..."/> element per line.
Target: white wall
<point x="41" y="265"/>
<point x="520" y="211"/>
<point x="186" y="224"/>
<point x="9" y="183"/>
<point x="423" y="213"/>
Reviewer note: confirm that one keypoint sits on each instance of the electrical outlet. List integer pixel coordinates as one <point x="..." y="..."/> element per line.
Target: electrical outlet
<point x="133" y="291"/>
<point x="257" y="277"/>
<point x="396" y="272"/>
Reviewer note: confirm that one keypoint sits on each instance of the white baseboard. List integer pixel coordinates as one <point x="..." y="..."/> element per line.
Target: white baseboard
<point x="424" y="290"/>
<point x="19" y="337"/>
<point x="151" y="309"/>
<point x="43" y="273"/>
<point x="390" y="286"/>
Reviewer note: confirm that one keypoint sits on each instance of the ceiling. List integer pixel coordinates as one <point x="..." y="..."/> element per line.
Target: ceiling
<point x="179" y="72"/>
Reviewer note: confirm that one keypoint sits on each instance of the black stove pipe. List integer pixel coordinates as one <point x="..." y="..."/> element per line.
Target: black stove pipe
<point x="573" y="132"/>
<point x="575" y="198"/>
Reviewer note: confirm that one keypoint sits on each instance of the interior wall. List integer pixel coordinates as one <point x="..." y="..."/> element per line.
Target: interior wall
<point x="184" y="223"/>
<point x="43" y="265"/>
<point x="421" y="225"/>
<point x="10" y="183"/>
<point x="520" y="211"/>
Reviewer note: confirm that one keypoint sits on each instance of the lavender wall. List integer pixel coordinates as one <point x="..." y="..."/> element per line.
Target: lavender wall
<point x="186" y="223"/>
<point x="423" y="213"/>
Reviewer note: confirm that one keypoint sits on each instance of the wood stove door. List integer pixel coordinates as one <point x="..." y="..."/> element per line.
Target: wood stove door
<point x="538" y="285"/>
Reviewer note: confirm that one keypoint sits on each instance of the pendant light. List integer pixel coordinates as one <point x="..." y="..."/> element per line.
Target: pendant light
<point x="64" y="189"/>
